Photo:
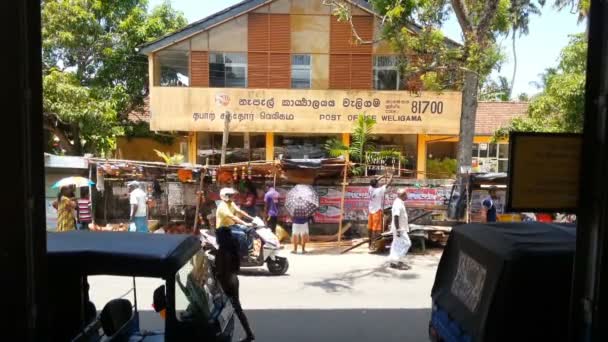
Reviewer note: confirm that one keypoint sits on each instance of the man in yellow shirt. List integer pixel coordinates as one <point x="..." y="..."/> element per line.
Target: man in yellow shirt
<point x="227" y="218"/>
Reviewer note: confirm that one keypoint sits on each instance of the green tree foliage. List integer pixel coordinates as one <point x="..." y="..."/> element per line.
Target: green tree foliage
<point x="496" y="90"/>
<point x="92" y="71"/>
<point x="441" y="168"/>
<point x="413" y="28"/>
<point x="560" y="105"/>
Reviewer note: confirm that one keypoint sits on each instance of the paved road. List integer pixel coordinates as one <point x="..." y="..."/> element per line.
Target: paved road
<point x="352" y="297"/>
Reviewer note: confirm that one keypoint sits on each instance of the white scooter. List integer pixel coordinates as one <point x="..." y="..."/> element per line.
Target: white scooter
<point x="269" y="250"/>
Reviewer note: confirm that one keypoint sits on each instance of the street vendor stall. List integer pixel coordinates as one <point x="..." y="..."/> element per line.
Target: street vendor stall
<point x="326" y="176"/>
<point x="171" y="190"/>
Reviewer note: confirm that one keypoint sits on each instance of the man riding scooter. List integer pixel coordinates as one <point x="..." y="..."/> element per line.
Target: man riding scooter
<point x="227" y="218"/>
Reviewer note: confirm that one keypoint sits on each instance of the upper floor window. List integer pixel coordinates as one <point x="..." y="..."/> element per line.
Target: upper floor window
<point x="386" y="73"/>
<point x="174" y="67"/>
<point x="228" y="70"/>
<point x="301" y="72"/>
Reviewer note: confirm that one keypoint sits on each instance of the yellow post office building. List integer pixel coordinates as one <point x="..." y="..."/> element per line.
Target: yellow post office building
<point x="289" y="77"/>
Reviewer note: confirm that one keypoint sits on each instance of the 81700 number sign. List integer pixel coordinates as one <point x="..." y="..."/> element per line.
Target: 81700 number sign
<point x="423" y="107"/>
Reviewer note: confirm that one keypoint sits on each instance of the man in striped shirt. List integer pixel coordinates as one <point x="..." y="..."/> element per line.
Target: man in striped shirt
<point x="84" y="209"/>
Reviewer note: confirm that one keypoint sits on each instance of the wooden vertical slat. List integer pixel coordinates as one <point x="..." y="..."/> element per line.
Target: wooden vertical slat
<point x="280" y="70"/>
<point x="364" y="25"/>
<point x="258" y="32"/>
<point x="340" y="37"/>
<point x="361" y="72"/>
<point x="199" y="69"/>
<point x="257" y="70"/>
<point x="280" y="33"/>
<point x="339" y="71"/>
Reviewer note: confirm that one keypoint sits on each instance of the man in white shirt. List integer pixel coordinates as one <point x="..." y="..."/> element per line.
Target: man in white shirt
<point x="376" y="205"/>
<point x="139" y="207"/>
<point x="400" y="228"/>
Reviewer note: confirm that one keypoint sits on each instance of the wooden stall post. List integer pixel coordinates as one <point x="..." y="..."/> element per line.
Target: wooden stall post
<point x="91" y="196"/>
<point x="198" y="201"/>
<point x="342" y="202"/>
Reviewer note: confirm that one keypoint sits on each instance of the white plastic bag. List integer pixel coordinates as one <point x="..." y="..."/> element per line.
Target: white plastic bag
<point x="132" y="227"/>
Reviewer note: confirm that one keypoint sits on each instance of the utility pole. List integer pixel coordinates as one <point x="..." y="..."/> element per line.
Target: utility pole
<point x="225" y="138"/>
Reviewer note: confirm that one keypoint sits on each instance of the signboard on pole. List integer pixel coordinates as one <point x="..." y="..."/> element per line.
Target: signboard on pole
<point x="544" y="172"/>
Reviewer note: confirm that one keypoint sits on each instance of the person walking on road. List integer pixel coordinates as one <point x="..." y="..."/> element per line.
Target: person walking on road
<point x="299" y="233"/>
<point x="66" y="206"/>
<point x="228" y="264"/>
<point x="139" y="207"/>
<point x="376" y="206"/>
<point x="271" y="207"/>
<point x="400" y="229"/>
<point x="84" y="209"/>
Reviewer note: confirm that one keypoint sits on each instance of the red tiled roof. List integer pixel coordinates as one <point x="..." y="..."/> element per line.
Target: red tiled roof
<point x="141" y="113"/>
<point x="494" y="115"/>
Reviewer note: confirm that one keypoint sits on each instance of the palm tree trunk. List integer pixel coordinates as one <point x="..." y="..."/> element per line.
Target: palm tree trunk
<point x="514" y="65"/>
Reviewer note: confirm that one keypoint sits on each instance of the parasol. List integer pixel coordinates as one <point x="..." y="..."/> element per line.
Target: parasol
<point x="302" y="201"/>
<point x="76" y="181"/>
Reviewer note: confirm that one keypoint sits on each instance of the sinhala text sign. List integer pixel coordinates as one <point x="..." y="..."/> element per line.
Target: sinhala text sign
<point x="303" y="111"/>
<point x="544" y="171"/>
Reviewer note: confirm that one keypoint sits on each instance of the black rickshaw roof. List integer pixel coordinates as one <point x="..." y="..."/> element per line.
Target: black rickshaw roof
<point x="496" y="280"/>
<point x="120" y="253"/>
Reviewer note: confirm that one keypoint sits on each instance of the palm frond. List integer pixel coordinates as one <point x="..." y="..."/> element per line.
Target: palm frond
<point x="175" y="159"/>
<point x="336" y="148"/>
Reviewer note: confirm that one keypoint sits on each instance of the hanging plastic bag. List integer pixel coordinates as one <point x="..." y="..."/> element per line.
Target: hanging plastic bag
<point x="132" y="227"/>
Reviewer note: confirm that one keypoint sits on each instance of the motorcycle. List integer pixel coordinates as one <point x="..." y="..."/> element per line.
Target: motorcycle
<point x="268" y="251"/>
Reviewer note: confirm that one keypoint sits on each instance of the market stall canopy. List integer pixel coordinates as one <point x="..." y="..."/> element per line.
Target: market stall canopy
<point x="508" y="281"/>
<point x="140" y="170"/>
<point x="305" y="171"/>
<point x="119" y="253"/>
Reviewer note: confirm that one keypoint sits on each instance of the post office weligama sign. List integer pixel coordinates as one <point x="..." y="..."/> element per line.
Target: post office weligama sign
<point x="303" y="111"/>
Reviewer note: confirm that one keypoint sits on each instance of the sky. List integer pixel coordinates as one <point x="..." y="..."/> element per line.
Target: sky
<point x="549" y="33"/>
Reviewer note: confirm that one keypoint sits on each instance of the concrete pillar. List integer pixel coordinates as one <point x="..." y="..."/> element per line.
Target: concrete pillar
<point x="269" y="146"/>
<point x="421" y="157"/>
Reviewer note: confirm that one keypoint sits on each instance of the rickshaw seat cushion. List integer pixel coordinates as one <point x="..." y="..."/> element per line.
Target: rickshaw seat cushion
<point x="115" y="314"/>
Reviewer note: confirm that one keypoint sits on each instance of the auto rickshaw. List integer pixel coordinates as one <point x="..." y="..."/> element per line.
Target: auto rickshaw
<point x="504" y="282"/>
<point x="462" y="192"/>
<point x="191" y="302"/>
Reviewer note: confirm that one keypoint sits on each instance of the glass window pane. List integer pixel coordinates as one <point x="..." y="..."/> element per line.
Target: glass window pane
<point x="237" y="58"/>
<point x="475" y="152"/>
<point x="300" y="78"/>
<point x="217" y="58"/>
<point x="483" y="150"/>
<point x="503" y="166"/>
<point x="300" y="71"/>
<point x="174" y="67"/>
<point x="217" y="72"/>
<point x="493" y="153"/>
<point x="385" y="61"/>
<point x="236" y="77"/>
<point x="503" y="151"/>
<point x="300" y="60"/>
<point x="385" y="79"/>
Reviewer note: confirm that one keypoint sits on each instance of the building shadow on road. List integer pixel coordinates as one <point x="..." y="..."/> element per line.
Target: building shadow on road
<point x="351" y="325"/>
<point x="345" y="281"/>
